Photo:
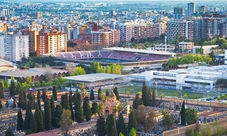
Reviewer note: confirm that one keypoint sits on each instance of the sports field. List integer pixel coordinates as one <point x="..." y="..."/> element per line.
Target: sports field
<point x="137" y="89"/>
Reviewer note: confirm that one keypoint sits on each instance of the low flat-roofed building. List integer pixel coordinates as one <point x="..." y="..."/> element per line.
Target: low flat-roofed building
<point x="36" y="73"/>
<point x="186" y="45"/>
<point x="98" y="79"/>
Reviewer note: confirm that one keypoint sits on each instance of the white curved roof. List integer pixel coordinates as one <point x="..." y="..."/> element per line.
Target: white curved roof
<point x="5" y="63"/>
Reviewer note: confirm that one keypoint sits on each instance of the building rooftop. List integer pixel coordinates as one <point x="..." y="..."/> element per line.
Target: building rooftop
<point x="93" y="77"/>
<point x="31" y="72"/>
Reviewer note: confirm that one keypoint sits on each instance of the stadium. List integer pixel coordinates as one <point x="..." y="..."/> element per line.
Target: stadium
<point x="108" y="56"/>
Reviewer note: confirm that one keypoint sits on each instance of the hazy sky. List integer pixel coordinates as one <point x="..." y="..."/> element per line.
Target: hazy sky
<point x="108" y="0"/>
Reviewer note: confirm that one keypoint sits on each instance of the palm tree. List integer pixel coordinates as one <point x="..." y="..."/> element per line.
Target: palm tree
<point x="84" y="93"/>
<point x="100" y="109"/>
<point x="162" y="95"/>
<point x="185" y="96"/>
<point x="167" y="121"/>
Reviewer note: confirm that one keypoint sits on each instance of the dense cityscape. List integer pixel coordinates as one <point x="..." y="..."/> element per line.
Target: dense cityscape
<point x="113" y="68"/>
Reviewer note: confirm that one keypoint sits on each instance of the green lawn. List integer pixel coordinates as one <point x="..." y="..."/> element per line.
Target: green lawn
<point x="136" y="89"/>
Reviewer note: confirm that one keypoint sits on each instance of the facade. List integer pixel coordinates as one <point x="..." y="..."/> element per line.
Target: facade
<point x="186" y="45"/>
<point x="179" y="28"/>
<point x="202" y="9"/>
<point x="199" y="78"/>
<point x="160" y="28"/>
<point x="76" y="32"/>
<point x="51" y="42"/>
<point x="178" y="12"/>
<point x="14" y="46"/>
<point x="125" y="30"/>
<point x="191" y="9"/>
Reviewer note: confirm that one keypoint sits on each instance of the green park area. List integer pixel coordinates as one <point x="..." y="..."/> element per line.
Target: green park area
<point x="137" y="89"/>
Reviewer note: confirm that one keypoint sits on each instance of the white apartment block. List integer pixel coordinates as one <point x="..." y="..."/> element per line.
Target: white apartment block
<point x="199" y="78"/>
<point x="125" y="31"/>
<point x="14" y="47"/>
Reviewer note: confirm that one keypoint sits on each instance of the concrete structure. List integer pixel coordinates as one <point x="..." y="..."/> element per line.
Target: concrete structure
<point x="14" y="46"/>
<point x="178" y="12"/>
<point x="206" y="49"/>
<point x="51" y="42"/>
<point x="186" y="45"/>
<point x="200" y="78"/>
<point x="202" y="9"/>
<point x="191" y="9"/>
<point x="179" y="27"/>
<point x="160" y="28"/>
<point x="6" y="65"/>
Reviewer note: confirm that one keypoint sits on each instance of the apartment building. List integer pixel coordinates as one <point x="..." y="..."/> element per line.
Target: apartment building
<point x="125" y="30"/>
<point x="14" y="47"/>
<point x="178" y="12"/>
<point x="104" y="37"/>
<point x="51" y="42"/>
<point x="191" y="9"/>
<point x="179" y="28"/>
<point x="160" y="28"/>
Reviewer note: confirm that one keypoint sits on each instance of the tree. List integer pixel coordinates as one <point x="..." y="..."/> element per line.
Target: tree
<point x="167" y="120"/>
<point x="92" y="97"/>
<point x="87" y="109"/>
<point x="66" y="121"/>
<point x="99" y="94"/>
<point x="71" y="103"/>
<point x="21" y="102"/>
<point x="70" y="67"/>
<point x="58" y="113"/>
<point x="146" y="95"/>
<point x="116" y="92"/>
<point x="65" y="101"/>
<point x="121" y="127"/>
<point x="145" y="118"/>
<point x="100" y="109"/>
<point x="33" y="125"/>
<point x="137" y="101"/>
<point x="27" y="117"/>
<point x="9" y="132"/>
<point x="101" y="126"/>
<point x="39" y="119"/>
<point x="1" y="104"/>
<point x="191" y="116"/>
<point x="55" y="93"/>
<point x="132" y="123"/>
<point x="133" y="132"/>
<point x="12" y="88"/>
<point x="113" y="131"/>
<point x="182" y="114"/>
<point x="185" y="96"/>
<point x="1" y="90"/>
<point x="44" y="96"/>
<point x="121" y="134"/>
<point x="52" y="105"/>
<point x="94" y="108"/>
<point x="153" y="96"/>
<point x="110" y="122"/>
<point x="79" y="71"/>
<point x="107" y="93"/>
<point x="20" y="121"/>
<point x="79" y="117"/>
<point x="47" y="114"/>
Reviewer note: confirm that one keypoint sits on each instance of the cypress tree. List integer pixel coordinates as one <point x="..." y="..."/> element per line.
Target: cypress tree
<point x="25" y="101"/>
<point x="39" y="119"/>
<point x="58" y="113"/>
<point x="52" y="110"/>
<point x="38" y="99"/>
<point x="55" y="93"/>
<point x="94" y="108"/>
<point x="182" y="114"/>
<point x="71" y="103"/>
<point x="110" y="122"/>
<point x="107" y="93"/>
<point x="116" y="93"/>
<point x="1" y="104"/>
<point x="113" y="131"/>
<point x="101" y="126"/>
<point x="44" y="96"/>
<point x="47" y="114"/>
<point x="21" y="100"/>
<point x="92" y="97"/>
<point x="1" y="90"/>
<point x="99" y="94"/>
<point x="78" y="109"/>
<point x="18" y="88"/>
<point x="132" y="123"/>
<point x="9" y="132"/>
<point x="38" y="94"/>
<point x="121" y="127"/>
<point x="19" y="120"/>
<point x="33" y="126"/>
<point x="12" y="88"/>
<point x="27" y="117"/>
<point x="153" y="97"/>
<point x="137" y="101"/>
<point x="87" y="109"/>
<point x="146" y="96"/>
<point x="65" y="101"/>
